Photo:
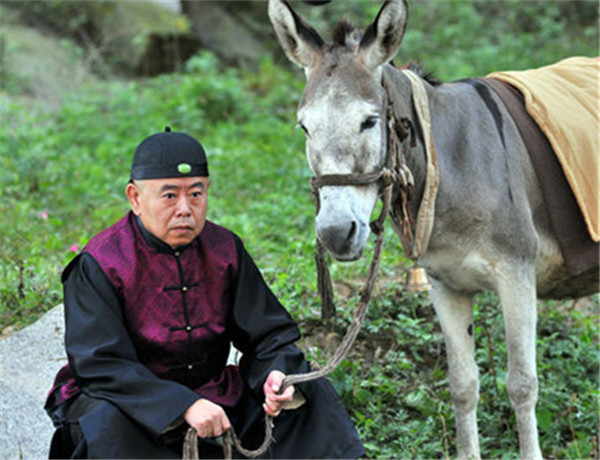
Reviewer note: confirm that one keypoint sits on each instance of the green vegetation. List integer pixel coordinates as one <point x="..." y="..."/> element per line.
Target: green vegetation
<point x="64" y="173"/>
<point x="396" y="388"/>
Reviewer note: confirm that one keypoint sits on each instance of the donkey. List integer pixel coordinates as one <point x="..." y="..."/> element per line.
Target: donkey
<point x="491" y="229"/>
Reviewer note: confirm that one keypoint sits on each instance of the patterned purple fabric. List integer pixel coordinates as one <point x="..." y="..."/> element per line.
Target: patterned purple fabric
<point x="175" y="306"/>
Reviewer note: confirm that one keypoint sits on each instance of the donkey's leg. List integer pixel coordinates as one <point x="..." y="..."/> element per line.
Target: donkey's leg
<point x="455" y="312"/>
<point x="518" y="297"/>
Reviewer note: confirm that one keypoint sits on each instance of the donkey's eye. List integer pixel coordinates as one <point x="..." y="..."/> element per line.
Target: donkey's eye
<point x="368" y="123"/>
<point x="303" y="129"/>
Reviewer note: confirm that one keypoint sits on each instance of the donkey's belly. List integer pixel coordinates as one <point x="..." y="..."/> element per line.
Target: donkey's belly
<point x="477" y="270"/>
<point x="561" y="285"/>
<point x="553" y="280"/>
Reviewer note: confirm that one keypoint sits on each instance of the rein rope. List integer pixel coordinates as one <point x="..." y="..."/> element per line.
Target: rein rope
<point x="396" y="183"/>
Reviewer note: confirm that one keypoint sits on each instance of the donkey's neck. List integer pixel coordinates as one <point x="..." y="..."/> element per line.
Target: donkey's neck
<point x="479" y="184"/>
<point x="469" y="150"/>
<point x="399" y="90"/>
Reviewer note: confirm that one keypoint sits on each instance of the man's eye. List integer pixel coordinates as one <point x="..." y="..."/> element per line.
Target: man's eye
<point x="169" y="196"/>
<point x="197" y="194"/>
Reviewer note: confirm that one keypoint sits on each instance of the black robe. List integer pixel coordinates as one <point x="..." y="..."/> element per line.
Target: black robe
<point x="126" y="411"/>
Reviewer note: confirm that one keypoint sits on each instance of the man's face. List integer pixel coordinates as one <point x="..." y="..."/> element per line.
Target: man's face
<point x="173" y="210"/>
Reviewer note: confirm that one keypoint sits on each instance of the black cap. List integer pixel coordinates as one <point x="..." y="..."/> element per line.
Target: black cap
<point x="169" y="154"/>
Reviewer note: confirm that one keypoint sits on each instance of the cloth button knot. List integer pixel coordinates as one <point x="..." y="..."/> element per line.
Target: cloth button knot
<point x="184" y="288"/>
<point x="188" y="328"/>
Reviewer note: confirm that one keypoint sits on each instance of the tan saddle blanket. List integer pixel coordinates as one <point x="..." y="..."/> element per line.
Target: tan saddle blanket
<point x="563" y="99"/>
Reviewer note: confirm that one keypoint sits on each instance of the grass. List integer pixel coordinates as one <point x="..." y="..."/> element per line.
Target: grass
<point x="64" y="173"/>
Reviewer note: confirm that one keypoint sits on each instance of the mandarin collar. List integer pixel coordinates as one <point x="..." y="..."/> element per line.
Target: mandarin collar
<point x="156" y="243"/>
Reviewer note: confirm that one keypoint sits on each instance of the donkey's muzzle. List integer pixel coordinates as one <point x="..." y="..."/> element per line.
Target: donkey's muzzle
<point x="340" y="239"/>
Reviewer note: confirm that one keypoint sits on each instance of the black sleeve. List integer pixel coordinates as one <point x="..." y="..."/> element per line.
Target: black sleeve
<point x="263" y="330"/>
<point x="102" y="355"/>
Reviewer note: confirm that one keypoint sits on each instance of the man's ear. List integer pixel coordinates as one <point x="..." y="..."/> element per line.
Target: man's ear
<point x="133" y="193"/>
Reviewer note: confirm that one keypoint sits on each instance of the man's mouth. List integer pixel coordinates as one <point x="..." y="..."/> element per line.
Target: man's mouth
<point x="182" y="228"/>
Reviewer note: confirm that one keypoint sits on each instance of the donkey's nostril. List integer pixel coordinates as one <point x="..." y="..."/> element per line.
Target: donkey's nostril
<point x="352" y="231"/>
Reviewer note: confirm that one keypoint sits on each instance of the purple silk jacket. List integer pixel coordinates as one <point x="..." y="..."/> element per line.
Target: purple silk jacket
<point x="175" y="307"/>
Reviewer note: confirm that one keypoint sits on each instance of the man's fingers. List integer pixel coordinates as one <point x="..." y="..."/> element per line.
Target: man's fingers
<point x="223" y="426"/>
<point x="274" y="402"/>
<point x="270" y="410"/>
<point x="273" y="405"/>
<point x="215" y="426"/>
<point x="287" y="395"/>
<point x="203" y="430"/>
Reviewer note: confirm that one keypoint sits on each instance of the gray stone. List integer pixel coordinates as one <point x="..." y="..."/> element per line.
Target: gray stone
<point x="30" y="359"/>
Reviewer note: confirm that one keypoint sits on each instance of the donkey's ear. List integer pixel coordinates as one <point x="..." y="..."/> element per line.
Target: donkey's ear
<point x="301" y="43"/>
<point x="382" y="38"/>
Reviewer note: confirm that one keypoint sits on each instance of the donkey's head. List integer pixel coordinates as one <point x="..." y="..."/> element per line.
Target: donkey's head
<point x="342" y="112"/>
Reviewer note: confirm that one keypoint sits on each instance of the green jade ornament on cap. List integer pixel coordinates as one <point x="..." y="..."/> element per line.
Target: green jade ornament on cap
<point x="184" y="168"/>
<point x="169" y="154"/>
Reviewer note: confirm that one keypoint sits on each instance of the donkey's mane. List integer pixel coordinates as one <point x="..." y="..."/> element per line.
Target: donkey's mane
<point x="347" y="36"/>
<point x="419" y="69"/>
<point x="343" y="31"/>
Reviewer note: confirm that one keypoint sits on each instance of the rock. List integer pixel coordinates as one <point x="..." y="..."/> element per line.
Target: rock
<point x="30" y="359"/>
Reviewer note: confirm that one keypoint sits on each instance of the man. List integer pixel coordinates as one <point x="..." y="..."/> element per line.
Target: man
<point x="151" y="306"/>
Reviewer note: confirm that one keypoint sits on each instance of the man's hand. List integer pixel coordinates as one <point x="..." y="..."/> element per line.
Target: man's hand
<point x="207" y="418"/>
<point x="274" y="402"/>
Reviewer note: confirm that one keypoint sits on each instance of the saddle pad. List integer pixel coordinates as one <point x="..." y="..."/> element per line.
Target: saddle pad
<point x="580" y="253"/>
<point x="563" y="100"/>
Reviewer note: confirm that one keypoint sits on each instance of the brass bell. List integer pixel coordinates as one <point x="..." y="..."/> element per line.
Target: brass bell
<point x="416" y="280"/>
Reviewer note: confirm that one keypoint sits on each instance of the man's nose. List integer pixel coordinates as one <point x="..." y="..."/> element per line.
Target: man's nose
<point x="183" y="206"/>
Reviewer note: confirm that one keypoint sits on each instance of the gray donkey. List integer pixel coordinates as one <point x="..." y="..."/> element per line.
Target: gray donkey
<point x="491" y="228"/>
